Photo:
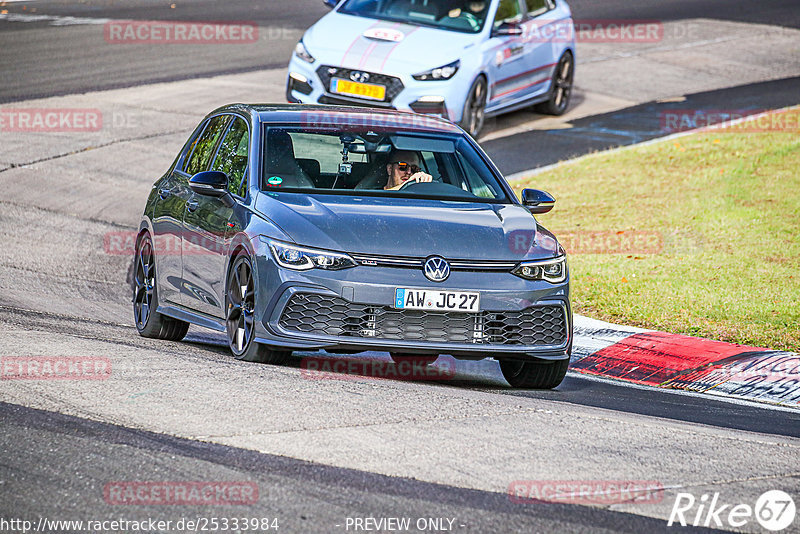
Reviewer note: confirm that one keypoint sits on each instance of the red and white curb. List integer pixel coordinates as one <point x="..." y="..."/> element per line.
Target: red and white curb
<point x="673" y="361"/>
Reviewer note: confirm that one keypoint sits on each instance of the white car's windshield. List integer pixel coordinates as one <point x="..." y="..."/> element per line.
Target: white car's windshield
<point x="356" y="162"/>
<point x="466" y="16"/>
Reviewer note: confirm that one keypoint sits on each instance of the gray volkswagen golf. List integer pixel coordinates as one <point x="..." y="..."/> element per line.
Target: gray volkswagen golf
<point x="318" y="227"/>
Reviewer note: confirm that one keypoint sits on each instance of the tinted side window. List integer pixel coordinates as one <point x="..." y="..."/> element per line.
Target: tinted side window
<point x="204" y="148"/>
<point x="232" y="155"/>
<point x="537" y="7"/>
<point x="507" y="11"/>
<point x="477" y="186"/>
<point x="431" y="165"/>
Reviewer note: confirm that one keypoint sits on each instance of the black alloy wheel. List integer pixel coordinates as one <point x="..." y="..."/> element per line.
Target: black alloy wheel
<point x="560" y="87"/>
<point x="240" y="315"/>
<point x="474" y="110"/>
<point x="150" y="323"/>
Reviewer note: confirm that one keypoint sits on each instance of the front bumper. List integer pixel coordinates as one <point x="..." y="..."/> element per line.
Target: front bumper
<point x="446" y="98"/>
<point x="353" y="310"/>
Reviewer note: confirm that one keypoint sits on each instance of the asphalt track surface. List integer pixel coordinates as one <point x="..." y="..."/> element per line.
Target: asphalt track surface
<point x="56" y="465"/>
<point x="637" y="124"/>
<point x="305" y="497"/>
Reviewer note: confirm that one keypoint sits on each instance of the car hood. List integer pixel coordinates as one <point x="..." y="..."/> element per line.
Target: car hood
<point x="339" y="40"/>
<point x="408" y="227"/>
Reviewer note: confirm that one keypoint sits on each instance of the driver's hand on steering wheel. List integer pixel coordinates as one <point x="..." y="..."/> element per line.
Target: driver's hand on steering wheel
<point x="418" y="177"/>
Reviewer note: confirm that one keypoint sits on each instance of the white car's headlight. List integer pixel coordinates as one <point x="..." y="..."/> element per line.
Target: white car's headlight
<point x="440" y="73"/>
<point x="304" y="258"/>
<point x="553" y="271"/>
<point x="302" y="52"/>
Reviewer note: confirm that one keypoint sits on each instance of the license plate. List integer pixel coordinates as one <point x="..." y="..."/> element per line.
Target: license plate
<point x="427" y="299"/>
<point x="364" y="90"/>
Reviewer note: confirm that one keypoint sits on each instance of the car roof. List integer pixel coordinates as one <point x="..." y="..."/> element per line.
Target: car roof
<point x="343" y="116"/>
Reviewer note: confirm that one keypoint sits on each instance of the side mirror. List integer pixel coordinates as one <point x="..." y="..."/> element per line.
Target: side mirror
<point x="330" y="3"/>
<point x="537" y="201"/>
<point x="507" y="29"/>
<point x="209" y="183"/>
<point x="212" y="184"/>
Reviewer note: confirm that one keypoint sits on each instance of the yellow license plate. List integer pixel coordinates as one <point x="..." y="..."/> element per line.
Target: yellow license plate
<point x="364" y="90"/>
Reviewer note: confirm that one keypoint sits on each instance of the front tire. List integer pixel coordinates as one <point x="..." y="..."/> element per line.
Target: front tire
<point x="534" y="375"/>
<point x="474" y="110"/>
<point x="148" y="321"/>
<point x="240" y="302"/>
<point x="560" y="87"/>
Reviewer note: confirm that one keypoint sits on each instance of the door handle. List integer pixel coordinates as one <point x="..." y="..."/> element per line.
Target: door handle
<point x="163" y="193"/>
<point x="192" y="205"/>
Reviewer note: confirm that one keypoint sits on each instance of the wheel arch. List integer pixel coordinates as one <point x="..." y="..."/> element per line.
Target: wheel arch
<point x="240" y="244"/>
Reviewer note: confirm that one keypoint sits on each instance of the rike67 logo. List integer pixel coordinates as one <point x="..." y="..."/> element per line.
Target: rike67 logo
<point x="774" y="510"/>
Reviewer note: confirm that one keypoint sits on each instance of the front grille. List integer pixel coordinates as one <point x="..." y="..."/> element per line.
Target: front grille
<point x="311" y="313"/>
<point x="393" y="85"/>
<point x="418" y="263"/>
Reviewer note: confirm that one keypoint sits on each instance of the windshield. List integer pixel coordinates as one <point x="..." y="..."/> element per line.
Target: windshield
<point x="465" y="16"/>
<point x="362" y="162"/>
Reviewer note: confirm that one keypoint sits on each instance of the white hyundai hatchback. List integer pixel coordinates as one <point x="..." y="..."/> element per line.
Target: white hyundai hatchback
<point x="463" y="60"/>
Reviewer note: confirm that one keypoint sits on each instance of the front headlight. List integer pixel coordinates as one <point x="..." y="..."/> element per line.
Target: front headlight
<point x="553" y="271"/>
<point x="304" y="258"/>
<point x="439" y="73"/>
<point x="302" y="52"/>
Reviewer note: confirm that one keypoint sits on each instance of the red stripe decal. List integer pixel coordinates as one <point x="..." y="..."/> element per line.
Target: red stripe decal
<point x="655" y="357"/>
<point x="344" y="57"/>
<point x="514" y="90"/>
<point x="383" y="49"/>
<point x="366" y="54"/>
<point x="385" y="59"/>
<point x="521" y="74"/>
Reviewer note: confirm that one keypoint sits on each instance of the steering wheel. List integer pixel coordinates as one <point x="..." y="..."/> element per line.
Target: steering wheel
<point x="410" y="183"/>
<point x="438" y="188"/>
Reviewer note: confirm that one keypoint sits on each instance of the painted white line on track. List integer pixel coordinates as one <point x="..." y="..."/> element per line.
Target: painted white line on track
<point x="54" y="20"/>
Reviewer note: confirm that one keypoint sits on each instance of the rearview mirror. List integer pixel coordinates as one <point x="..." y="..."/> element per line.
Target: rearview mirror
<point x="537" y="201"/>
<point x="330" y="3"/>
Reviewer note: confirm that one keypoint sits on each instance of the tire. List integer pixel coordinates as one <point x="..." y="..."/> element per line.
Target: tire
<point x="148" y="321"/>
<point x="419" y="359"/>
<point x="534" y="375"/>
<point x="240" y="298"/>
<point x="474" y="115"/>
<point x="560" y="87"/>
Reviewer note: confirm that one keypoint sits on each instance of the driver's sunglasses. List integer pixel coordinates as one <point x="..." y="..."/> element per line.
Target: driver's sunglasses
<point x="403" y="166"/>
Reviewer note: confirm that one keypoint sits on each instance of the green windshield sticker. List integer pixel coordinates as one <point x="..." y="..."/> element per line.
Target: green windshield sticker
<point x="275" y="180"/>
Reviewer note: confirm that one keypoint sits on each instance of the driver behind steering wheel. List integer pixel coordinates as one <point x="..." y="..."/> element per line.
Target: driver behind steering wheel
<point x="403" y="168"/>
